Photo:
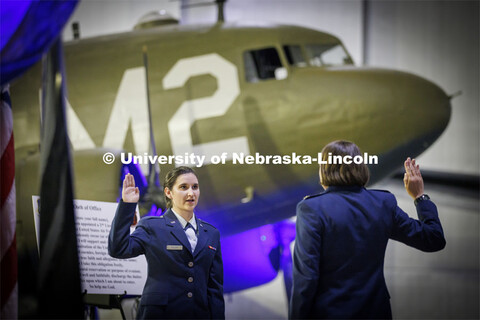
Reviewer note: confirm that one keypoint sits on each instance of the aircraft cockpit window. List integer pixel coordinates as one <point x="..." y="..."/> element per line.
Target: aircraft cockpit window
<point x="327" y="55"/>
<point x="294" y="56"/>
<point x="262" y="64"/>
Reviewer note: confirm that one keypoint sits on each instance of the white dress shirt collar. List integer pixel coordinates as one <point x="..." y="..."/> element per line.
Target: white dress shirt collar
<point x="184" y="222"/>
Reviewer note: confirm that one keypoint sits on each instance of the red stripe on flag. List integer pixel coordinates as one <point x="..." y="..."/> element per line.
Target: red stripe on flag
<point x="8" y="264"/>
<point x="7" y="165"/>
<point x="9" y="268"/>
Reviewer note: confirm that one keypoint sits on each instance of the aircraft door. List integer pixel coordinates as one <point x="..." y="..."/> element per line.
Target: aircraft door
<point x="267" y="108"/>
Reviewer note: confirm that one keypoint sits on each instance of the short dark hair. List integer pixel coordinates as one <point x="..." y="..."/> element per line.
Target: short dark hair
<point x="341" y="174"/>
<point x="171" y="178"/>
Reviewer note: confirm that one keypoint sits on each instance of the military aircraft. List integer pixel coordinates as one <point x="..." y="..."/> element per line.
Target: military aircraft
<point x="225" y="89"/>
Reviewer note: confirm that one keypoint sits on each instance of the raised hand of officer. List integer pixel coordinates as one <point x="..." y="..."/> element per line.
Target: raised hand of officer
<point x="130" y="193"/>
<point x="412" y="179"/>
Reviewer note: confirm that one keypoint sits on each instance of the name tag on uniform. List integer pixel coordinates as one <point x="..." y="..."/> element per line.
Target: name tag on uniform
<point x="174" y="247"/>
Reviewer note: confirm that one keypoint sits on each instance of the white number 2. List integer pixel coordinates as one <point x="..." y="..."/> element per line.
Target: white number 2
<point x="214" y="106"/>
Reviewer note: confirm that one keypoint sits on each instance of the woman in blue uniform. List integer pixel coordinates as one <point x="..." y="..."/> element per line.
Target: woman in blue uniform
<point x="341" y="237"/>
<point x="185" y="269"/>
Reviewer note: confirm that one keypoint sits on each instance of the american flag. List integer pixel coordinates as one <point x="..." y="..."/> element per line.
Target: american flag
<point x="8" y="273"/>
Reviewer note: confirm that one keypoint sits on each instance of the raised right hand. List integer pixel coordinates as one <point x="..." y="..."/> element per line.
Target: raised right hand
<point x="130" y="193"/>
<point x="412" y="179"/>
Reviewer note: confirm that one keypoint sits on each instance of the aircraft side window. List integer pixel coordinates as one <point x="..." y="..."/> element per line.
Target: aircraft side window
<point x="327" y="55"/>
<point x="261" y="64"/>
<point x="294" y="55"/>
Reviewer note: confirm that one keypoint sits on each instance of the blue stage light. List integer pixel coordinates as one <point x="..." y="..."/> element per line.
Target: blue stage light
<point x="28" y="29"/>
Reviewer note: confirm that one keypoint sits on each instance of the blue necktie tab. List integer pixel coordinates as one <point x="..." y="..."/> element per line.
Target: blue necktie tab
<point x="191" y="235"/>
<point x="189" y="225"/>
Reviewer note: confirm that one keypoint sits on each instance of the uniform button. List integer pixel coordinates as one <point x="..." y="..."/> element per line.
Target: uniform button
<point x="189" y="294"/>
<point x="190" y="279"/>
<point x="190" y="264"/>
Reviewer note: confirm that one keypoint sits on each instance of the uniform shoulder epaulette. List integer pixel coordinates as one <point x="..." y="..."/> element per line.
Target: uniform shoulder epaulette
<point x="151" y="217"/>
<point x="313" y="196"/>
<point x="379" y="190"/>
<point x="203" y="221"/>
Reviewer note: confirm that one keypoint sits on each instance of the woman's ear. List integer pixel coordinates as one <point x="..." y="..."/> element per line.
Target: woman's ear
<point x="168" y="193"/>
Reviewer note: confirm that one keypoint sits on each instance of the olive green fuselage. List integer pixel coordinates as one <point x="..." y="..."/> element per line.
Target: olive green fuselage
<point x="200" y="96"/>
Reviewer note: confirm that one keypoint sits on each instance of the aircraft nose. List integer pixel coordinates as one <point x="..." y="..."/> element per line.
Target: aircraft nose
<point x="424" y="109"/>
<point x="410" y="113"/>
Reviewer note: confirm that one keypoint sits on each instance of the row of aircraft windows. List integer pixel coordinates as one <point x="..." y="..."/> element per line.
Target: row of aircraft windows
<point x="265" y="63"/>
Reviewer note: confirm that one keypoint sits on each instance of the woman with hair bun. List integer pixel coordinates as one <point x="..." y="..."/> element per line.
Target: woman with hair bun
<point x="185" y="268"/>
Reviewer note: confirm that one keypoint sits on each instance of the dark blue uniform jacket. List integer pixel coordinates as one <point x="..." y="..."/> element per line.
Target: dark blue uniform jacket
<point x="180" y="284"/>
<point x="341" y="237"/>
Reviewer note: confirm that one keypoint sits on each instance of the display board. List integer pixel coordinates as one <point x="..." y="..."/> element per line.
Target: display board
<point x="100" y="273"/>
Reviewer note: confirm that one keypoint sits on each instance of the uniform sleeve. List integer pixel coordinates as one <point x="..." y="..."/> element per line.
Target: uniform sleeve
<point x="306" y="261"/>
<point x="121" y="244"/>
<point x="425" y="234"/>
<point x="215" y="285"/>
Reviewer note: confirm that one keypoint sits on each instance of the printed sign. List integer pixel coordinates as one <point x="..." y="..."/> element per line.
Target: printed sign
<point x="100" y="273"/>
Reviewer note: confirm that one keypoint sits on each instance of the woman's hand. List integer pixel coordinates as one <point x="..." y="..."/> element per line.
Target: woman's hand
<point x="130" y="193"/>
<point x="413" y="179"/>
